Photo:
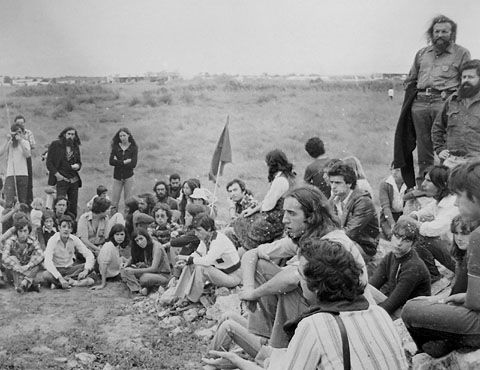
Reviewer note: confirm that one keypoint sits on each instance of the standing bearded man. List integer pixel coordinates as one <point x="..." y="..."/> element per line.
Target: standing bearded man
<point x="434" y="76"/>
<point x="63" y="164"/>
<point x="456" y="131"/>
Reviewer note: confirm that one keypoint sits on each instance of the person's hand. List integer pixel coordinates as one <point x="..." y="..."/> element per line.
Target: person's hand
<point x="262" y="255"/>
<point x="82" y="275"/>
<point x="233" y="358"/>
<point x="97" y="287"/>
<point x="248" y="212"/>
<point x="23" y="268"/>
<point x="457" y="299"/>
<point x="64" y="283"/>
<point x="127" y="161"/>
<point x="444" y="154"/>
<point x="75" y="167"/>
<point x="247" y="294"/>
<point x="59" y="177"/>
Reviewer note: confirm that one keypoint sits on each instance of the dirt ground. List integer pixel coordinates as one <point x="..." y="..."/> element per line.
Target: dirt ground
<point x="84" y="329"/>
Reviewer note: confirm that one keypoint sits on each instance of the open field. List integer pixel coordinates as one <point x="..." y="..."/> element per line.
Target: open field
<point x="176" y="127"/>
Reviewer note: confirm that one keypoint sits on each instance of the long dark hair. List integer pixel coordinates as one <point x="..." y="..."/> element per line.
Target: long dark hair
<point x="439" y="176"/>
<point x="76" y="140"/>
<point x="116" y="138"/>
<point x="118" y="228"/>
<point x="141" y="254"/>
<point x="277" y="161"/>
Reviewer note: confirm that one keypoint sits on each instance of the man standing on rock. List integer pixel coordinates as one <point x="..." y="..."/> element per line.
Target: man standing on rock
<point x="63" y="163"/>
<point x="434" y="76"/>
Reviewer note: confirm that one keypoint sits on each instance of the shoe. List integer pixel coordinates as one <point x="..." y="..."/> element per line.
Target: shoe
<point x="144" y="291"/>
<point x="53" y="286"/>
<point x="438" y="348"/>
<point x="19" y="289"/>
<point x="35" y="288"/>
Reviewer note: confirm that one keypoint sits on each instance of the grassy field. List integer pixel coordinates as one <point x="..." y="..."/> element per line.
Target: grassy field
<point x="177" y="126"/>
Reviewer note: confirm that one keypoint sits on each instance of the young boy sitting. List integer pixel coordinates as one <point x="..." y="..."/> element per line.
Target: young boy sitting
<point x="101" y="192"/>
<point x="401" y="273"/>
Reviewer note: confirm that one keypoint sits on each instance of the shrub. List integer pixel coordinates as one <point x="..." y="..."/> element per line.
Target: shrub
<point x="266" y="98"/>
<point x="166" y="98"/>
<point x="134" y="101"/>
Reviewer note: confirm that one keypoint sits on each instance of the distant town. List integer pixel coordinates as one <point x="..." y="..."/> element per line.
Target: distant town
<point x="165" y="77"/>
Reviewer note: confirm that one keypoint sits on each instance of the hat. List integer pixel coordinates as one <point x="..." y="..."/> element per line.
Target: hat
<point x="200" y="193"/>
<point x="142" y="218"/>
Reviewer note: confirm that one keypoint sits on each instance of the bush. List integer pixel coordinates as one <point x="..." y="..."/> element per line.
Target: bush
<point x="266" y="98"/>
<point x="166" y="98"/>
<point x="134" y="101"/>
<point x="39" y="112"/>
<point x="187" y="97"/>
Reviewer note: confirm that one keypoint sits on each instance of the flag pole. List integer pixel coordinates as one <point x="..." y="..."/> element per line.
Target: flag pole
<point x="216" y="181"/>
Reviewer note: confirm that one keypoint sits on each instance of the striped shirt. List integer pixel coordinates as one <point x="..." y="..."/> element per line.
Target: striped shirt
<point x="317" y="343"/>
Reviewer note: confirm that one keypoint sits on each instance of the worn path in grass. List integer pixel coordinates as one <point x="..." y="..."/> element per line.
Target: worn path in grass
<point x="46" y="330"/>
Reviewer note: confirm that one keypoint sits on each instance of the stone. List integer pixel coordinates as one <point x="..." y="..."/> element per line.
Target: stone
<point x="163" y="313"/>
<point x="170" y="322"/>
<point x="108" y="367"/>
<point x="190" y="315"/>
<point x="72" y="364"/>
<point x="222" y="291"/>
<point x="176" y="331"/>
<point x="85" y="358"/>
<point x="42" y="350"/>
<point x="61" y="359"/>
<point x="205" y="333"/>
<point x="456" y="360"/>
<point x="407" y="341"/>
<point x="223" y="305"/>
<point x="60" y="341"/>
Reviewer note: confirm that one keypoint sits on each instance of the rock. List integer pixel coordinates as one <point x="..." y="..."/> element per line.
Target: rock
<point x="456" y="360"/>
<point x="222" y="291"/>
<point x="407" y="341"/>
<point x="223" y="305"/>
<point x="60" y="341"/>
<point x="163" y="313"/>
<point x="170" y="322"/>
<point x="42" y="350"/>
<point x="61" y="359"/>
<point x="205" y="333"/>
<point x="176" y="331"/>
<point x="85" y="358"/>
<point x="72" y="364"/>
<point x="190" y="315"/>
<point x="168" y="297"/>
<point x="108" y="367"/>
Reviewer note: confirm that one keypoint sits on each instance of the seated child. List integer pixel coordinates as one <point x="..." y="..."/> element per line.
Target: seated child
<point x="401" y="273"/>
<point x="36" y="213"/>
<point x="47" y="228"/>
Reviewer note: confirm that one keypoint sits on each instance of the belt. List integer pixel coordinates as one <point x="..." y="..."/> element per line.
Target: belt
<point x="231" y="269"/>
<point x="430" y="91"/>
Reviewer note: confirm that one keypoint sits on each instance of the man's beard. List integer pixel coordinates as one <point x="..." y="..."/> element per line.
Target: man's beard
<point x="467" y="90"/>
<point x="69" y="142"/>
<point x="441" y="44"/>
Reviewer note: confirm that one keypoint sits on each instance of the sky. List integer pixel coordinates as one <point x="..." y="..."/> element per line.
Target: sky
<point x="105" y="37"/>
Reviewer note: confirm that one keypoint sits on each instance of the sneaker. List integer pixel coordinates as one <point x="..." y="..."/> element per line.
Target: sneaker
<point x="53" y="286"/>
<point x="35" y="288"/>
<point x="19" y="289"/>
<point x="437" y="348"/>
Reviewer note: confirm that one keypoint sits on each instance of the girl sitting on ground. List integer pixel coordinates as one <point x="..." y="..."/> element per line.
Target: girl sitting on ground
<point x="109" y="259"/>
<point x="148" y="266"/>
<point x="215" y="260"/>
<point x="47" y="228"/>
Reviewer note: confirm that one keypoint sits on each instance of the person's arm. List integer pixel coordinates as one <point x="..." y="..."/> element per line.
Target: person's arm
<point x="413" y="74"/>
<point x="48" y="261"/>
<point x="37" y="257"/>
<point x="385" y="197"/>
<point x="380" y="276"/>
<point x="4" y="148"/>
<point x="361" y="214"/>
<point x="113" y="160"/>
<point x="85" y="252"/>
<point x="275" y="192"/>
<point x="25" y="145"/>
<point x="157" y="254"/>
<point x="441" y="223"/>
<point x="82" y="233"/>
<point x="9" y="261"/>
<point x="103" y="273"/>
<point x="234" y="359"/>
<point x="133" y="161"/>
<point x="439" y="132"/>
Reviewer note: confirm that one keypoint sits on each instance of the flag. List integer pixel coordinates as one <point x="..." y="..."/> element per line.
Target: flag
<point x="222" y="154"/>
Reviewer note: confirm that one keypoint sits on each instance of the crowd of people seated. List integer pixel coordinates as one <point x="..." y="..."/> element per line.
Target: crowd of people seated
<point x="302" y="256"/>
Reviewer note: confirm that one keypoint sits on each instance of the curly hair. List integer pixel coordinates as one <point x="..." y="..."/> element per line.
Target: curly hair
<point x="314" y="147"/>
<point x="331" y="271"/>
<point x="277" y="161"/>
<point x="441" y="19"/>
<point x="166" y="208"/>
<point x="345" y="171"/>
<point x="76" y="140"/>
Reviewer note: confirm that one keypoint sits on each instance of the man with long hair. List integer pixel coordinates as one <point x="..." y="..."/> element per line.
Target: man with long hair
<point x="307" y="214"/>
<point x="436" y="75"/>
<point x="64" y="163"/>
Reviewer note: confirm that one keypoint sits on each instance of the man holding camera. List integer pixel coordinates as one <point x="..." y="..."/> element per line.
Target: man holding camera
<point x="18" y="150"/>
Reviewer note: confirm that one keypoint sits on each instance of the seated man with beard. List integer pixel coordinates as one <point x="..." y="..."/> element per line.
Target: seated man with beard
<point x="456" y="132"/>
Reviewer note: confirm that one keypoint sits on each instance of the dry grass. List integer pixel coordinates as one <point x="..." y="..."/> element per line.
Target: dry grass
<point x="177" y="126"/>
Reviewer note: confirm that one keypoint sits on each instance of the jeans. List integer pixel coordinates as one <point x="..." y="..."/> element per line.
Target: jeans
<point x="67" y="273"/>
<point x="20" y="191"/>
<point x="427" y="320"/>
<point x="70" y="190"/>
<point x="424" y="111"/>
<point x="135" y="281"/>
<point x="431" y="249"/>
<point x="118" y="185"/>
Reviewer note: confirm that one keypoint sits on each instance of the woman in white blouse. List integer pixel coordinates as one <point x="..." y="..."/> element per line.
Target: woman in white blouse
<point x="434" y="221"/>
<point x="263" y="222"/>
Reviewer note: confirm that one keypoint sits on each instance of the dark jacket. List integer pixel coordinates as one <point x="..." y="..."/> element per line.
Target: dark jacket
<point x="403" y="278"/>
<point x="121" y="170"/>
<point x="57" y="162"/>
<point x="405" y="138"/>
<point x="360" y="221"/>
<point x="314" y="175"/>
